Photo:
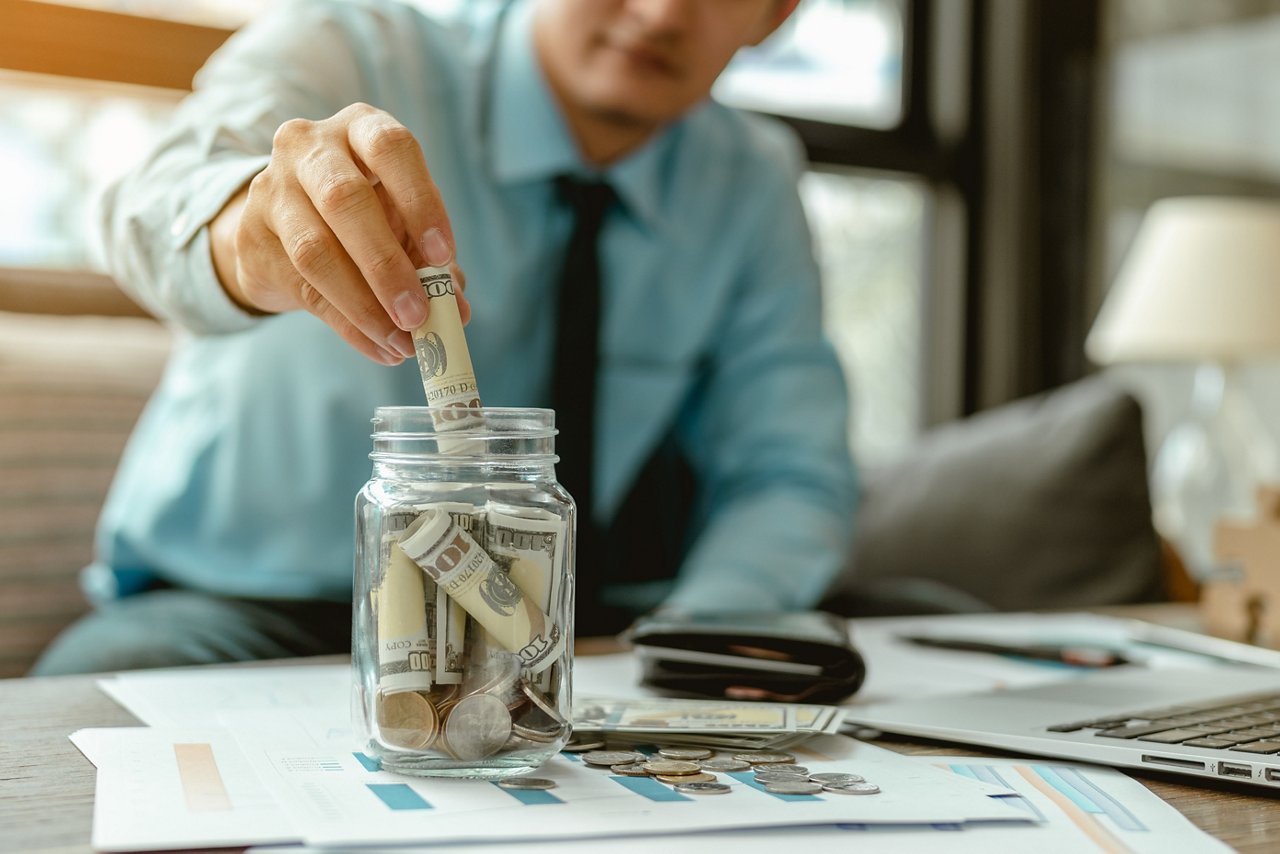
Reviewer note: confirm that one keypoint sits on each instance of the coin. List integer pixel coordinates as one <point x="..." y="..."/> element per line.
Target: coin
<point x="765" y="758"/>
<point x="477" y="727"/>
<point x="406" y="719"/>
<point x="852" y="788"/>
<point x="671" y="766"/>
<point x="527" y="783"/>
<point x="582" y="746"/>
<point x="631" y="769"/>
<point x="783" y="768"/>
<point x="724" y="763"/>
<point x="778" y="777"/>
<point x="685" y="778"/>
<point x="836" y="777"/>
<point x="608" y="758"/>
<point x="795" y="787"/>
<point x="703" y="788"/>
<point x="688" y="754"/>
<point x="542" y="701"/>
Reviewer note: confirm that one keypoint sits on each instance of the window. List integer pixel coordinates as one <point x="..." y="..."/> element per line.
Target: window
<point x="833" y="60"/>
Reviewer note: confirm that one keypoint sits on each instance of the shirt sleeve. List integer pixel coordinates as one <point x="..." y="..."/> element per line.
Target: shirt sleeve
<point x="768" y="434"/>
<point x="297" y="61"/>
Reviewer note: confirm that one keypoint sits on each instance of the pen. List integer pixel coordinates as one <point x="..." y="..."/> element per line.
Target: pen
<point x="1078" y="656"/>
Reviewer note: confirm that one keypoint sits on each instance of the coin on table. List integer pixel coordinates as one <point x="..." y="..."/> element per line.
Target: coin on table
<point x="784" y="768"/>
<point x="406" y="719"/>
<point x="527" y="783"/>
<point x="688" y="754"/>
<point x="724" y="763"/>
<point x="795" y="787"/>
<point x="685" y="778"/>
<point x="766" y="758"/>
<point x="852" y="788"/>
<point x="582" y="746"/>
<point x="779" y="777"/>
<point x="837" y="777"/>
<point x="631" y="769"/>
<point x="671" y="766"/>
<point x="703" y="788"/>
<point x="477" y="727"/>
<point x="609" y="758"/>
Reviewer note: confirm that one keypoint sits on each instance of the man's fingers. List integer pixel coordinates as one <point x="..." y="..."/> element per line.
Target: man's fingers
<point x="351" y="209"/>
<point x="325" y="277"/>
<point x="278" y="269"/>
<point x="389" y="151"/>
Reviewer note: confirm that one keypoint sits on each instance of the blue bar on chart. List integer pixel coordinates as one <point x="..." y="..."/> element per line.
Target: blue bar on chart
<point x="1087" y="796"/>
<point x="369" y="763"/>
<point x="647" y="787"/>
<point x="531" y="797"/>
<point x="398" y="796"/>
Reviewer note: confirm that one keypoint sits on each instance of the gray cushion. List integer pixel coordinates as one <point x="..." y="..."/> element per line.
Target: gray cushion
<point x="1042" y="503"/>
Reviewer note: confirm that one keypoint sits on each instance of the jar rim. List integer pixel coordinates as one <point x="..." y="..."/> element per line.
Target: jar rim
<point x="496" y="422"/>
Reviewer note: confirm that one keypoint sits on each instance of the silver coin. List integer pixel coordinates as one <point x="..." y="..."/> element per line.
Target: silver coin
<point x="671" y="766"/>
<point x="703" y="788"/>
<point x="631" y="769"/>
<point x="766" y="758"/>
<point x="837" y="777"/>
<point x="527" y="783"/>
<point x="778" y="777"/>
<point x="688" y="754"/>
<point x="783" y="768"/>
<point x="704" y="777"/>
<point x="852" y="788"/>
<point x="724" y="764"/>
<point x="609" y="758"/>
<point x="795" y="787"/>
<point x="477" y="727"/>
<point x="582" y="746"/>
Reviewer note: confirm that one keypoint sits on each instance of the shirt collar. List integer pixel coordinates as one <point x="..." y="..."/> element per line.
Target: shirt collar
<point x="531" y="142"/>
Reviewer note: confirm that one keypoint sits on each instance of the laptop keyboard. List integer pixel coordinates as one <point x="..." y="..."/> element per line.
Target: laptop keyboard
<point x="1246" y="724"/>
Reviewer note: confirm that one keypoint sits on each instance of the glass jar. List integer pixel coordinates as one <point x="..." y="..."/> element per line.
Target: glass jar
<point x="462" y="636"/>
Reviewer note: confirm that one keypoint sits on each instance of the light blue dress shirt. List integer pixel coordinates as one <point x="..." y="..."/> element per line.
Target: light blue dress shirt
<point x="241" y="474"/>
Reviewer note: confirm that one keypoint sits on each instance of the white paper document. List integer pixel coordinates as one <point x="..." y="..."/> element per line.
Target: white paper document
<point x="1079" y="809"/>
<point x="337" y="796"/>
<point x="161" y="789"/>
<point x="196" y="697"/>
<point x="898" y="669"/>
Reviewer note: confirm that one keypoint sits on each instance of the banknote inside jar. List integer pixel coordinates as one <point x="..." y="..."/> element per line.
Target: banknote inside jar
<point x="469" y="659"/>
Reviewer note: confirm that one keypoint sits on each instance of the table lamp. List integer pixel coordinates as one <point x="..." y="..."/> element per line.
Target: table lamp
<point x="1201" y="286"/>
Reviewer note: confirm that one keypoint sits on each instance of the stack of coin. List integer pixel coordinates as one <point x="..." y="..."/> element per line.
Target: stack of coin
<point x="693" y="770"/>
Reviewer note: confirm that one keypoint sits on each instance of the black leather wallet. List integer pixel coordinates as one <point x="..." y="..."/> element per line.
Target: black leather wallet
<point x="799" y="657"/>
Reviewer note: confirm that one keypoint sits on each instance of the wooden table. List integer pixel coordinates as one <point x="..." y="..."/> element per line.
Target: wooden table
<point x="46" y="786"/>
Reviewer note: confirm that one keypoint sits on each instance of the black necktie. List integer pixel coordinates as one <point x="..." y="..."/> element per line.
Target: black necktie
<point x="577" y="354"/>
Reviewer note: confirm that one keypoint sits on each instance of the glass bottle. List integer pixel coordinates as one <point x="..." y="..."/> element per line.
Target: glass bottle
<point x="462" y="636"/>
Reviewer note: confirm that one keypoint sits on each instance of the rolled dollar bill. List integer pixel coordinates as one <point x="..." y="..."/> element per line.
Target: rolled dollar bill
<point x="443" y="358"/>
<point x="527" y="543"/>
<point x="462" y="569"/>
<point x="450" y="618"/>
<point x="404" y="644"/>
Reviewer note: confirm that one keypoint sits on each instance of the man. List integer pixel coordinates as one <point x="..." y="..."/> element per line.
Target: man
<point x="331" y="148"/>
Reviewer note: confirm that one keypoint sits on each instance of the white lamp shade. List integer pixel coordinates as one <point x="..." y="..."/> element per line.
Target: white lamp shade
<point x="1202" y="282"/>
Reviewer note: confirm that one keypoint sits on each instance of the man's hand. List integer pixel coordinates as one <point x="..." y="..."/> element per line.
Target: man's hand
<point x="336" y="225"/>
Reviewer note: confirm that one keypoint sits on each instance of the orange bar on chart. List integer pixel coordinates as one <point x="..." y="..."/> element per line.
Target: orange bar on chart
<point x="201" y="782"/>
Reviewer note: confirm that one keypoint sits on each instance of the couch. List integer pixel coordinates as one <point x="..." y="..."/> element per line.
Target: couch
<point x="77" y="363"/>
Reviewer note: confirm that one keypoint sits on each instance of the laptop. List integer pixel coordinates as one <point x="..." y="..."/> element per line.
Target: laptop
<point x="1221" y="722"/>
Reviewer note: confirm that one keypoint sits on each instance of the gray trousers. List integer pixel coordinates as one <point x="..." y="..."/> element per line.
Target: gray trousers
<point x="172" y="627"/>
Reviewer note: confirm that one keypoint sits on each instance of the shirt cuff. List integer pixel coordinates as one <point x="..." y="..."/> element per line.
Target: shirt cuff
<point x="203" y="303"/>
